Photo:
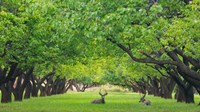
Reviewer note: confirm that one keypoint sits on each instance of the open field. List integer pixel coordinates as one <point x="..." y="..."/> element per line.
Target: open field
<point x="115" y="102"/>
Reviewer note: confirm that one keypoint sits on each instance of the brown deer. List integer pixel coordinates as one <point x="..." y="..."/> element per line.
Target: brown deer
<point x="144" y="101"/>
<point x="102" y="100"/>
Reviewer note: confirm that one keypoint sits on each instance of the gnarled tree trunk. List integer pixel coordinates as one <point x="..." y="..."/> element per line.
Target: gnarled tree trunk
<point x="5" y="93"/>
<point x="154" y="86"/>
<point x="185" y="94"/>
<point x="167" y="87"/>
<point x="28" y="90"/>
<point x="20" y="84"/>
<point x="35" y="87"/>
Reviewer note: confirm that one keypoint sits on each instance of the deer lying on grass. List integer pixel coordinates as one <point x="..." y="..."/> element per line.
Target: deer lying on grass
<point x="144" y="101"/>
<point x="102" y="100"/>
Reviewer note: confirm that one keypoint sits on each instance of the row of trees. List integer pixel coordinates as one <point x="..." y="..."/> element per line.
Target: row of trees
<point x="50" y="45"/>
<point x="33" y="42"/>
<point x="158" y="33"/>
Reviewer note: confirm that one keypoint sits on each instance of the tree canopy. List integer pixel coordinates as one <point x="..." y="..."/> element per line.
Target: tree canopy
<point x="89" y="40"/>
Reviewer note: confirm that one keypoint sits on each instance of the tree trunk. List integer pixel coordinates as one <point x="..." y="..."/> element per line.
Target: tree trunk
<point x="34" y="91"/>
<point x="44" y="83"/>
<point x="35" y="87"/>
<point x="75" y="84"/>
<point x="155" y="83"/>
<point x="179" y="96"/>
<point x="42" y="91"/>
<point x="68" y="85"/>
<point x="5" y="76"/>
<point x="18" y="95"/>
<point x="28" y="90"/>
<point x="5" y="89"/>
<point x="59" y="86"/>
<point x="185" y="94"/>
<point x="49" y="86"/>
<point x="167" y="87"/>
<point x="21" y="84"/>
<point x="150" y="90"/>
<point x="62" y="86"/>
<point x="46" y="86"/>
<point x="189" y="94"/>
<point x="5" y="94"/>
<point x="55" y="86"/>
<point x="49" y="90"/>
<point x="153" y="86"/>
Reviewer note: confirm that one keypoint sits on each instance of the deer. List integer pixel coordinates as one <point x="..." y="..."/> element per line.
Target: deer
<point x="144" y="101"/>
<point x="102" y="100"/>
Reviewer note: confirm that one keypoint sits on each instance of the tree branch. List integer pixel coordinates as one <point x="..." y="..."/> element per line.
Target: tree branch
<point x="142" y="60"/>
<point x="189" y="58"/>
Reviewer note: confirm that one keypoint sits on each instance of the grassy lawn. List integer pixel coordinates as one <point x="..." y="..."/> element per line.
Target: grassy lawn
<point x="115" y="102"/>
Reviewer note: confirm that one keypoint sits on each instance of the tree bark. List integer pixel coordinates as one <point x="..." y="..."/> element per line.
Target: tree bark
<point x="155" y="86"/>
<point x="42" y="91"/>
<point x="11" y="75"/>
<point x="45" y="84"/>
<point x="55" y="86"/>
<point x="68" y="85"/>
<point x="49" y="86"/>
<point x="35" y="87"/>
<point x="21" y="84"/>
<point x="185" y="94"/>
<point x="167" y="87"/>
<point x="75" y="84"/>
<point x="5" y="93"/>
<point x="184" y="91"/>
<point x="28" y="90"/>
<point x="61" y="86"/>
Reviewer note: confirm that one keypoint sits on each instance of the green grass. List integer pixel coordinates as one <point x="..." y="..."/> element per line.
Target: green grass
<point x="80" y="102"/>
